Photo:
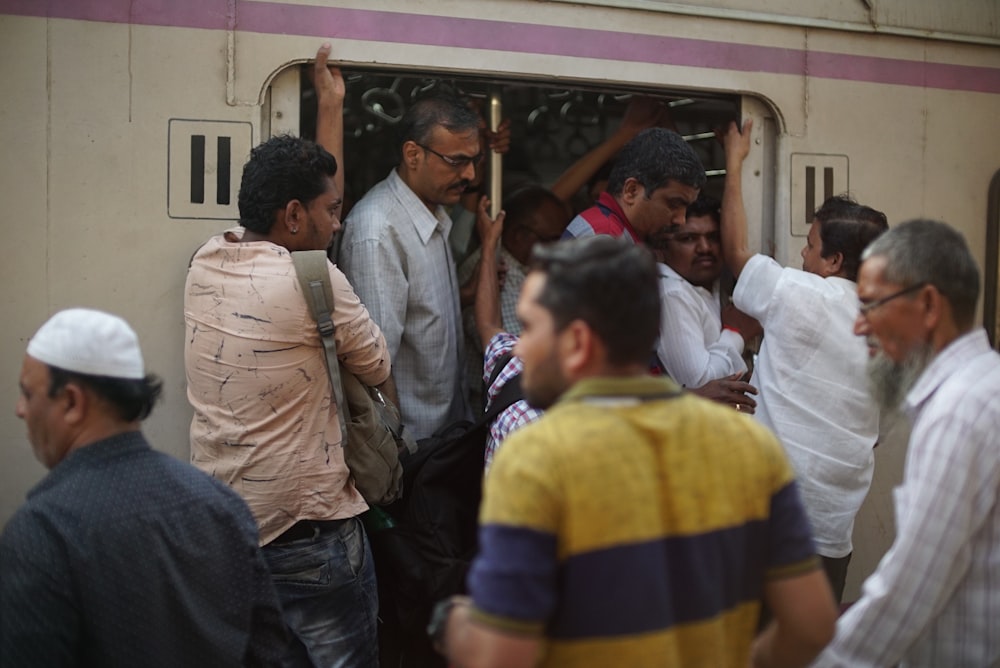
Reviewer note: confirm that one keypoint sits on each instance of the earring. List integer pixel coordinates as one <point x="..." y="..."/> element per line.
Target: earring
<point x="295" y="230"/>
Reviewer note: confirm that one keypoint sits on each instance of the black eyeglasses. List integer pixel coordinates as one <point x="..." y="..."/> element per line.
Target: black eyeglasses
<point x="458" y="163"/>
<point x="865" y="309"/>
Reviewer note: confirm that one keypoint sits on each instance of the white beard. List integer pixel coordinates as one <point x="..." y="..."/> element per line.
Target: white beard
<point x="889" y="381"/>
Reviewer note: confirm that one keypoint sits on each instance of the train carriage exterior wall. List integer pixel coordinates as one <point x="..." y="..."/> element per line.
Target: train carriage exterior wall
<point x="101" y="98"/>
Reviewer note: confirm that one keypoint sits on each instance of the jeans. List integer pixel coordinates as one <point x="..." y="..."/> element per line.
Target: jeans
<point x="329" y="600"/>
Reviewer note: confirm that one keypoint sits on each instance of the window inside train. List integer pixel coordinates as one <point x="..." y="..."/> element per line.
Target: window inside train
<point x="552" y="124"/>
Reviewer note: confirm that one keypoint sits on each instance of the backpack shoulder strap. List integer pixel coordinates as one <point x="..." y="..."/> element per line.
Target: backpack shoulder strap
<point x="509" y="394"/>
<point x="311" y="268"/>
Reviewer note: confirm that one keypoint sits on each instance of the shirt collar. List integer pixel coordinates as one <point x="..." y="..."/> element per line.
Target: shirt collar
<point x="609" y="202"/>
<point x="423" y="220"/>
<point x="88" y="456"/>
<point x="666" y="271"/>
<point x="957" y="354"/>
<point x="615" y="388"/>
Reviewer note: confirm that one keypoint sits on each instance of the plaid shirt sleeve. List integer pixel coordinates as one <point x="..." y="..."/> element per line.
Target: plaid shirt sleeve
<point x="519" y="413"/>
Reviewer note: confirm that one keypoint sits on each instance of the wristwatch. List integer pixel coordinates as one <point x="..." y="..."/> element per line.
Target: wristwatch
<point x="439" y="620"/>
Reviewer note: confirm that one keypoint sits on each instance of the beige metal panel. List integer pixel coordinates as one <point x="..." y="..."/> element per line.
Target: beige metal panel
<point x="175" y="73"/>
<point x="259" y="56"/>
<point x="285" y="100"/>
<point x="970" y="21"/>
<point x="879" y="128"/>
<point x="828" y="10"/>
<point x="962" y="155"/>
<point x="875" y="524"/>
<point x="102" y="237"/>
<point x="969" y="17"/>
<point x="24" y="252"/>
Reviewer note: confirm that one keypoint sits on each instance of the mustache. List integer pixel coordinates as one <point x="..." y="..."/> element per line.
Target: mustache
<point x="463" y="185"/>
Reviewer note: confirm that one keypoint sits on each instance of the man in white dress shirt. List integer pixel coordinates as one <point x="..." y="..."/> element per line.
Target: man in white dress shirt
<point x="396" y="255"/>
<point x="935" y="598"/>
<point x="810" y="370"/>
<point x="701" y="344"/>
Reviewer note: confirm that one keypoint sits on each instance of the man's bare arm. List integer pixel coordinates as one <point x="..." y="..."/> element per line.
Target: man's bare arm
<point x="805" y="618"/>
<point x="330" y="91"/>
<point x="489" y="321"/>
<point x="641" y="113"/>
<point x="735" y="249"/>
<point x="471" y="645"/>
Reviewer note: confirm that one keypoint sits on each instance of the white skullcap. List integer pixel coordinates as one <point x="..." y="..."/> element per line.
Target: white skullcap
<point x="89" y="342"/>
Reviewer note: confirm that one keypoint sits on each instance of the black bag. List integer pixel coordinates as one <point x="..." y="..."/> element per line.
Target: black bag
<point x="423" y="552"/>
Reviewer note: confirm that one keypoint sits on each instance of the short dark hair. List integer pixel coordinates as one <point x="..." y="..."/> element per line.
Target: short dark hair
<point x="282" y="169"/>
<point x="610" y="284"/>
<point x="847" y="227"/>
<point x="524" y="201"/>
<point x="706" y="205"/>
<point x="931" y="252"/>
<point x="439" y="107"/>
<point x="132" y="399"/>
<point x="653" y="157"/>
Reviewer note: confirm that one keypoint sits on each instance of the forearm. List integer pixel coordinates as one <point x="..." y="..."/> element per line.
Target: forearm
<point x="487" y="308"/>
<point x="330" y="134"/>
<point x="471" y="645"/>
<point x="577" y="174"/>
<point x="735" y="247"/>
<point x="805" y="618"/>
<point x="775" y="648"/>
<point x="733" y="229"/>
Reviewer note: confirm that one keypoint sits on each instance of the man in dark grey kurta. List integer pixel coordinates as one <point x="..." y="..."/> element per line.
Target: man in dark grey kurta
<point x="122" y="556"/>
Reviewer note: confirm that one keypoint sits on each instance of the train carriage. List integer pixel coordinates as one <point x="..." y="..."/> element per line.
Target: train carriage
<point x="125" y="125"/>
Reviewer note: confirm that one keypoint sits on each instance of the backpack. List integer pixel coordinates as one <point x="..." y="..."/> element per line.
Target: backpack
<point x="424" y="543"/>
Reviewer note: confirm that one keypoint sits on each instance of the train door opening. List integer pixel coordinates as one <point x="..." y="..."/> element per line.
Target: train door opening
<point x="991" y="268"/>
<point x="553" y="122"/>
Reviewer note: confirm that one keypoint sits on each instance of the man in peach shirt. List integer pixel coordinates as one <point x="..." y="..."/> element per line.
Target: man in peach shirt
<point x="265" y="422"/>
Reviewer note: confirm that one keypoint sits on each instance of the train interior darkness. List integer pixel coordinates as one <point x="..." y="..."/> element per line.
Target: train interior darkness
<point x="553" y="123"/>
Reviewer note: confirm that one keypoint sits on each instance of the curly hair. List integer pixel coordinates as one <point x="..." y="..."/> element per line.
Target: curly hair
<point x="653" y="157"/>
<point x="282" y="169"/>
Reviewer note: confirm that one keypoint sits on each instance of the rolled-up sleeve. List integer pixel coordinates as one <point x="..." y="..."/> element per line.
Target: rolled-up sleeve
<point x="361" y="347"/>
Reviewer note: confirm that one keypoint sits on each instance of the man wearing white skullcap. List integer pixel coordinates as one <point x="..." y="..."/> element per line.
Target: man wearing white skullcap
<point x="122" y="555"/>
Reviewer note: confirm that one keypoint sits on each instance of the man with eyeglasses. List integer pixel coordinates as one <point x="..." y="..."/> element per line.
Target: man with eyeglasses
<point x="395" y="252"/>
<point x="935" y="598"/>
<point x="701" y="344"/>
<point x="810" y="371"/>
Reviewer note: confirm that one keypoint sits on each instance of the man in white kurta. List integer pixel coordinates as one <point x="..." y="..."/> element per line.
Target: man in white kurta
<point x="811" y="370"/>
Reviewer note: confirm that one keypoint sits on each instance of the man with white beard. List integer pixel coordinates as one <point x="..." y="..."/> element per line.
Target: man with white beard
<point x="935" y="598"/>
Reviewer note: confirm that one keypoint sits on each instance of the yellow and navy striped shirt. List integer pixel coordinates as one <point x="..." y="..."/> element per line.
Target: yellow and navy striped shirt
<point x="633" y="527"/>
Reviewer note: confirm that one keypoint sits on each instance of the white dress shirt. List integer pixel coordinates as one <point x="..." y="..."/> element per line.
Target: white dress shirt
<point x="813" y="390"/>
<point x="396" y="255"/>
<point x="693" y="347"/>
<point x="935" y="598"/>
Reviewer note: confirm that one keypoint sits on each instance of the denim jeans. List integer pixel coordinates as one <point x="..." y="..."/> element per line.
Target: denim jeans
<point x="329" y="600"/>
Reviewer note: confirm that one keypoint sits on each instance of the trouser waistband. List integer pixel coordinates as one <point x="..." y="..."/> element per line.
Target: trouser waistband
<point x="307" y="529"/>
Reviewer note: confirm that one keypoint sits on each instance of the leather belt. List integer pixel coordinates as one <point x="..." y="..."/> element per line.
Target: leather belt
<point x="307" y="529"/>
